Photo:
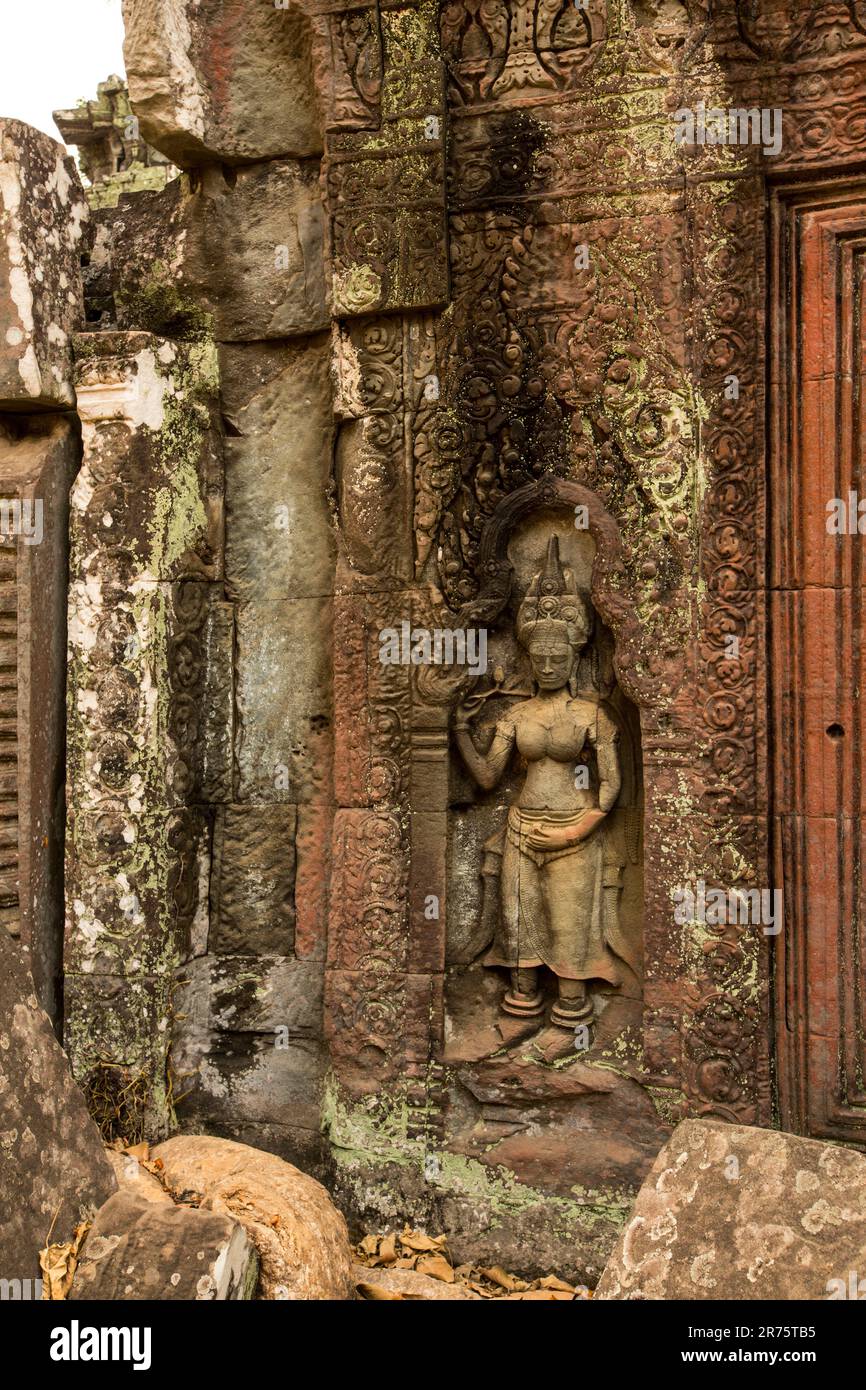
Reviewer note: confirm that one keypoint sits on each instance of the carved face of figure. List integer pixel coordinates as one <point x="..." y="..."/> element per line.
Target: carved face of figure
<point x="552" y="663"/>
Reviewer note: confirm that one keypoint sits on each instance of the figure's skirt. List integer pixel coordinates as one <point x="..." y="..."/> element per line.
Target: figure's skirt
<point x="552" y="903"/>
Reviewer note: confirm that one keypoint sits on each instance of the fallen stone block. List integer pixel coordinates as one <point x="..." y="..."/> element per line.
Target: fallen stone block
<point x="53" y="1171"/>
<point x="732" y="1212"/>
<point x="300" y="1235"/>
<point x="43" y="210"/>
<point x="140" y="1249"/>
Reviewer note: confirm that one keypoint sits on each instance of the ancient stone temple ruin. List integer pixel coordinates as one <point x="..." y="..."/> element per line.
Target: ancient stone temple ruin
<point x="445" y="424"/>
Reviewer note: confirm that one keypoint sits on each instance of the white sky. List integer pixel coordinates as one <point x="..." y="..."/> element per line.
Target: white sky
<point x="53" y="52"/>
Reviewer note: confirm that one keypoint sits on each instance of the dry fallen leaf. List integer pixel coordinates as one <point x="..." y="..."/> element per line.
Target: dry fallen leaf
<point x="139" y="1151"/>
<point x="59" y="1263"/>
<point x="437" y="1266"/>
<point x="375" y="1293"/>
<point x="418" y="1240"/>
<point x="388" y="1250"/>
<point x="429" y="1255"/>
<point x="497" y="1275"/>
<point x="550" y="1281"/>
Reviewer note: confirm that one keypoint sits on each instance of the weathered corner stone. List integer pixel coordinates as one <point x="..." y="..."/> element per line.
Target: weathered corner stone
<point x="139" y="1249"/>
<point x="53" y="1171"/>
<point x="42" y="215"/>
<point x="731" y="1212"/>
<point x="218" y="81"/>
<point x="38" y="458"/>
<point x="305" y="1251"/>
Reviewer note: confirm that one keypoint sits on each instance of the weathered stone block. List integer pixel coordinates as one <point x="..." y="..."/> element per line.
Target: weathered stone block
<point x="222" y="81"/>
<point x="279" y="533"/>
<point x="138" y="1249"/>
<point x="253" y="881"/>
<point x="147" y="503"/>
<point x="117" y="1032"/>
<point x="137" y="899"/>
<point x="236" y="252"/>
<point x="284" y="700"/>
<point x="150" y="695"/>
<point x="256" y="250"/>
<point x="730" y="1212"/>
<point x="42" y="215"/>
<point x="248" y="1047"/>
<point x="378" y="1023"/>
<point x="52" y="1167"/>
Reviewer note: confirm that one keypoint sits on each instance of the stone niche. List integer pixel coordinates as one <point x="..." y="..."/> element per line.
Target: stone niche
<point x="475" y="1027"/>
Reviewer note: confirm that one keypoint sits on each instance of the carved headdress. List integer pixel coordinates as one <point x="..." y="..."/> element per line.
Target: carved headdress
<point x="554" y="610"/>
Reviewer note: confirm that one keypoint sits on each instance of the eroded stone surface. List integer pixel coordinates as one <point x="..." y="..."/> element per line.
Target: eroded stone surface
<point x="731" y="1212"/>
<point x="222" y="81"/>
<point x="300" y="1236"/>
<point x="53" y="1172"/>
<point x="279" y="529"/>
<point x="43" y="213"/>
<point x="239" y="248"/>
<point x="140" y="1249"/>
<point x="150" y="673"/>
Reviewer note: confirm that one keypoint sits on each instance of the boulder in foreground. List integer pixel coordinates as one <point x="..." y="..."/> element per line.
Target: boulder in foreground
<point x="731" y="1212"/>
<point x="53" y="1171"/>
<point x="300" y="1235"/>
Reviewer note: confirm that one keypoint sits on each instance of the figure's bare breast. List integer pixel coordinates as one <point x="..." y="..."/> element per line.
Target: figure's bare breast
<point x="552" y="737"/>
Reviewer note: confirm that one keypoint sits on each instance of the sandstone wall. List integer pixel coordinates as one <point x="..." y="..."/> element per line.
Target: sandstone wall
<point x="460" y="279"/>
